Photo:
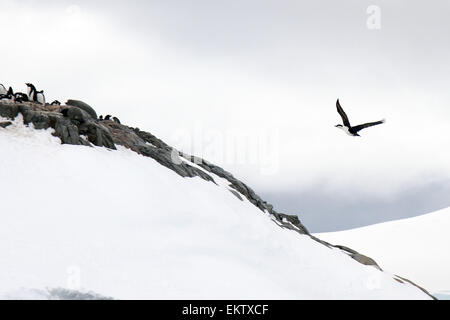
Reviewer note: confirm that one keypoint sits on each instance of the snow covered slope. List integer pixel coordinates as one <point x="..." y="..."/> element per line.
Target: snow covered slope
<point x="122" y="225"/>
<point x="416" y="248"/>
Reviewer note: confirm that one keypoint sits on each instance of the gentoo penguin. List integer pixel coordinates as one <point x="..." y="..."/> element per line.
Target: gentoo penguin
<point x="100" y="118"/>
<point x="2" y="89"/>
<point x="55" y="103"/>
<point x="116" y="120"/>
<point x="9" y="95"/>
<point x="34" y="95"/>
<point x="31" y="92"/>
<point x="347" y="128"/>
<point x="40" y="97"/>
<point x="20" y="97"/>
<point x="5" y="97"/>
<point x="108" y="117"/>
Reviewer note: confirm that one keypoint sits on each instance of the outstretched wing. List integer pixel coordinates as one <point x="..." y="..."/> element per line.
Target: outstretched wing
<point x="366" y="125"/>
<point x="342" y="113"/>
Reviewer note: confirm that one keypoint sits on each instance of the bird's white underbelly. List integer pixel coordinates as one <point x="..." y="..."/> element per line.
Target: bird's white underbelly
<point x="345" y="129"/>
<point x="41" y="98"/>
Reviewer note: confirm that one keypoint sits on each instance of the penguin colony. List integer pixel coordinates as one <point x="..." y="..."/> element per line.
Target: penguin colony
<point x="109" y="118"/>
<point x="33" y="95"/>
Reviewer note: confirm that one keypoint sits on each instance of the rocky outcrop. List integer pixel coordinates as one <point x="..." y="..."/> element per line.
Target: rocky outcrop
<point x="83" y="106"/>
<point x="76" y="123"/>
<point x="71" y="124"/>
<point x="9" y="111"/>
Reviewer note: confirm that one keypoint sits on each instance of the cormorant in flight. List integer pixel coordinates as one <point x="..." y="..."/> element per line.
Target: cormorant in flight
<point x="347" y="128"/>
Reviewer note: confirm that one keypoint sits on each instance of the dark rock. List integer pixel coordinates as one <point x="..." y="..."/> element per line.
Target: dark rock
<point x="291" y="220"/>
<point x="9" y="111"/>
<point x="237" y="194"/>
<point x="364" y="259"/>
<point x="70" y="123"/>
<point x="352" y="253"/>
<point x="69" y="294"/>
<point x="402" y="280"/>
<point x="125" y="136"/>
<point x="164" y="157"/>
<point x="76" y="114"/>
<point x="83" y="106"/>
<point x="5" y="124"/>
<point x="67" y="131"/>
<point x="96" y="133"/>
<point x="148" y="137"/>
<point x="40" y="120"/>
<point x="358" y="256"/>
<point x="148" y="145"/>
<point x="102" y="138"/>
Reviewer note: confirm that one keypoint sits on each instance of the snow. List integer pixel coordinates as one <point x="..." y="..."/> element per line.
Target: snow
<point x="415" y="248"/>
<point x="123" y="226"/>
<point x="442" y="295"/>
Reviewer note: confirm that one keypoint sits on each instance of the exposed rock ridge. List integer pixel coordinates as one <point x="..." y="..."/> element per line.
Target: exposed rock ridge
<point x="75" y="124"/>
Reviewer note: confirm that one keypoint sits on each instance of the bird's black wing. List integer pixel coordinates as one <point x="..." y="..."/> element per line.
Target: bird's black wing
<point x="366" y="125"/>
<point x="342" y="113"/>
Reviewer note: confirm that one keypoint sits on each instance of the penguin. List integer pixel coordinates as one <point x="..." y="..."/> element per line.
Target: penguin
<point x="108" y="117"/>
<point x="5" y="97"/>
<point x="56" y="103"/>
<point x="34" y="95"/>
<point x="100" y="118"/>
<point x="2" y="89"/>
<point x="40" y="98"/>
<point x="9" y="95"/>
<point x="31" y="91"/>
<point x="116" y="120"/>
<point x="20" y="97"/>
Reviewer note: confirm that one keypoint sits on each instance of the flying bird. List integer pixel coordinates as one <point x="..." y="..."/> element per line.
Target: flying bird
<point x="347" y="128"/>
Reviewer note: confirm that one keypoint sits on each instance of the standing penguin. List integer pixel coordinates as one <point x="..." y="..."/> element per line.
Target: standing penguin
<point x="34" y="95"/>
<point x="2" y="89"/>
<point x="31" y="91"/>
<point x="40" y="97"/>
<point x="108" y="117"/>
<point x="116" y="120"/>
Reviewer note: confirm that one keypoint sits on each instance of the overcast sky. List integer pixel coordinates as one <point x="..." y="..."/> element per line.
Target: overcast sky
<point x="252" y="85"/>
